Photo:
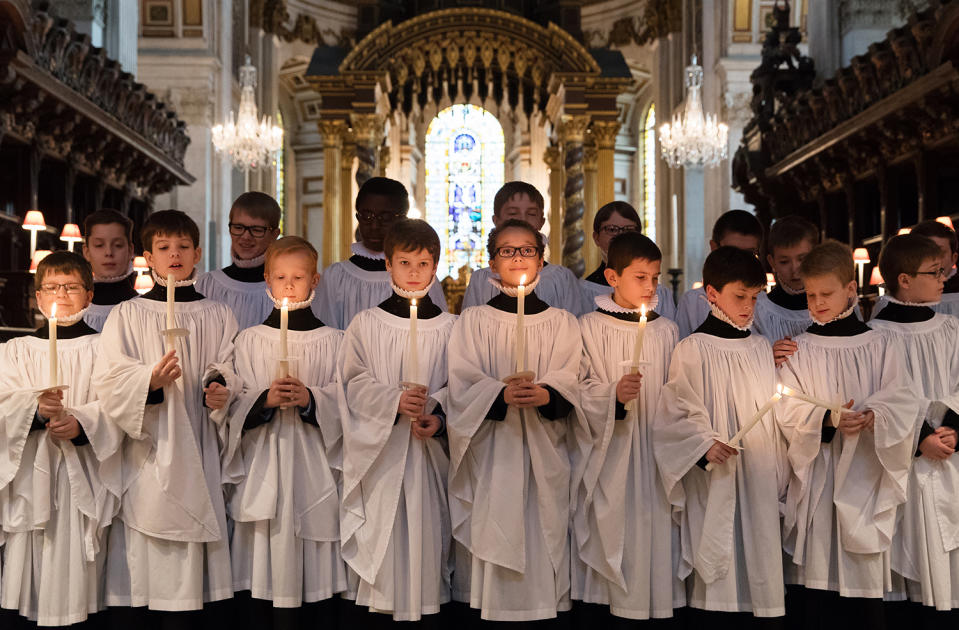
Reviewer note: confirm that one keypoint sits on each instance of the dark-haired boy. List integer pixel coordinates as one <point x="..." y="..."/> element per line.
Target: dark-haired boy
<point x="351" y="286"/>
<point x="785" y="314"/>
<point x="849" y="474"/>
<point x="729" y="518"/>
<point x="926" y="546"/>
<point x="171" y="404"/>
<point x="254" y="224"/>
<point x="395" y="438"/>
<point x="558" y="287"/>
<point x="618" y="217"/>
<point x="736" y="228"/>
<point x="53" y="504"/>
<point x="109" y="250"/>
<point x="623" y="525"/>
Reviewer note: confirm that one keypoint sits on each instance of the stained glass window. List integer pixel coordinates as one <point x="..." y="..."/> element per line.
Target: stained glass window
<point x="649" y="173"/>
<point x="464" y="169"/>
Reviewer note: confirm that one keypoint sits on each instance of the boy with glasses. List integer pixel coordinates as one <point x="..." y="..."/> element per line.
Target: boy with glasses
<point x="254" y="224"/>
<point x="351" y="286"/>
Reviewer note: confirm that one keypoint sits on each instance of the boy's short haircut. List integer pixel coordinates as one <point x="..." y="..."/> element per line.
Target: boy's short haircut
<point x="728" y="264"/>
<point x="412" y="235"/>
<point x="627" y="247"/>
<point x="386" y="187"/>
<point x="289" y="245"/>
<point x="621" y="208"/>
<point x="107" y="216"/>
<point x="511" y="189"/>
<point x="168" y="223"/>
<point x="258" y="205"/>
<point x="829" y="257"/>
<point x="739" y="222"/>
<point x="512" y="224"/>
<point x="905" y="254"/>
<point x="790" y="231"/>
<point x="64" y="262"/>
<point x="939" y="230"/>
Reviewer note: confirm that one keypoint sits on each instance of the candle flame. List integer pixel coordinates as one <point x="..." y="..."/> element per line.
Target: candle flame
<point x="285" y="301"/>
<point x="642" y="310"/>
<point x="780" y="389"/>
<point x="785" y="390"/>
<point x="522" y="280"/>
<point x="413" y="302"/>
<point x="53" y="310"/>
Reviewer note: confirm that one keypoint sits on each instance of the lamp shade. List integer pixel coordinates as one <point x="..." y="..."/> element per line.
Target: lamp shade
<point x="946" y="221"/>
<point x="71" y="232"/>
<point x="771" y="279"/>
<point x="34" y="221"/>
<point x="861" y="255"/>
<point x="143" y="284"/>
<point x="903" y="231"/>
<point x="875" y="277"/>
<point x="140" y="264"/>
<point x="38" y="255"/>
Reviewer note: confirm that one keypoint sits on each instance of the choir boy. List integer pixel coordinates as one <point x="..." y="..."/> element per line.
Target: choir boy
<point x="395" y="515"/>
<point x="558" y="287"/>
<point x="169" y="392"/>
<point x="623" y="521"/>
<point x="849" y="473"/>
<point x="516" y="447"/>
<point x="254" y="224"/>
<point x="926" y="547"/>
<point x="351" y="286"/>
<point x="53" y="504"/>
<point x="785" y="315"/>
<point x="736" y="228"/>
<point x="109" y="250"/>
<point x="284" y="455"/>
<point x="615" y="218"/>
<point x="719" y="378"/>
<point x="945" y="237"/>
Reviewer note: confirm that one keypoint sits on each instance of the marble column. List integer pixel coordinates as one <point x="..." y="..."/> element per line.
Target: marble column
<point x="572" y="134"/>
<point x="553" y="157"/>
<point x="591" y="255"/>
<point x="332" y="132"/>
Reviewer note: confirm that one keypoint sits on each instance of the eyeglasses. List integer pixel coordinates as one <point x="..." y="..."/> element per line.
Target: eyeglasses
<point x="71" y="288"/>
<point x="937" y="274"/>
<point x="616" y="230"/>
<point x="510" y="252"/>
<point x="382" y="218"/>
<point x="256" y="231"/>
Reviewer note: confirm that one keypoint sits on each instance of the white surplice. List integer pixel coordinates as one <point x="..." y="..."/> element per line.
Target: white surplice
<point x="926" y="544"/>
<point x="774" y="322"/>
<point x="557" y="286"/>
<point x="248" y="301"/>
<point x="54" y="505"/>
<point x="843" y="495"/>
<point x="665" y="307"/>
<point x="729" y="517"/>
<point x="171" y="551"/>
<point x="624" y="535"/>
<point x="283" y="475"/>
<point x="395" y="515"/>
<point x="510" y="480"/>
<point x="948" y="305"/>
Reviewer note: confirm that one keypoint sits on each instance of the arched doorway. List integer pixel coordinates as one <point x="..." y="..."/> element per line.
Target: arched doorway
<point x="465" y="152"/>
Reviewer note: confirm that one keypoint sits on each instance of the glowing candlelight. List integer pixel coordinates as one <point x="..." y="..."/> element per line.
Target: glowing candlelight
<point x="53" y="344"/>
<point x="170" y="307"/>
<point x="780" y="392"/>
<point x="414" y="358"/>
<point x="638" y="349"/>
<point x="520" y="325"/>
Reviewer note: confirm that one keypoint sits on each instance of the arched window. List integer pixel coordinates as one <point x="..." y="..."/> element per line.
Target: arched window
<point x="464" y="169"/>
<point x="649" y="173"/>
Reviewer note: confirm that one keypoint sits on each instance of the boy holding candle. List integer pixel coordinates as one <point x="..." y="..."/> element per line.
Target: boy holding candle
<point x="395" y="516"/>
<point x="623" y="521"/>
<point x="351" y="286"/>
<point x="109" y="250"/>
<point x="736" y="228"/>
<point x="254" y="224"/>
<point x="846" y="486"/>
<point x="518" y="442"/>
<point x="558" y="287"/>
<point x="926" y="549"/>
<point x="719" y="377"/>
<point x="165" y="381"/>
<point x="618" y="217"/>
<point x="284" y="451"/>
<point x="53" y="504"/>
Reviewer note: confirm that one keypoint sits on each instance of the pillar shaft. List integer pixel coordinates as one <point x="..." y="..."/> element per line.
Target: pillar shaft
<point x="572" y="133"/>
<point x="332" y="132"/>
<point x="553" y="156"/>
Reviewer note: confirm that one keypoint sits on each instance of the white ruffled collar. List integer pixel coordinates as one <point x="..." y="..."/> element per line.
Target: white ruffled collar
<point x="513" y="291"/>
<point x="248" y="263"/>
<point x="69" y="319"/>
<point x="719" y="314"/>
<point x="291" y="306"/>
<point x="412" y="295"/>
<point x="789" y="291"/>
<point x="189" y="282"/>
<point x="606" y="302"/>
<point x="359" y="250"/>
<point x="846" y="313"/>
<point x="901" y="303"/>
<point x="112" y="279"/>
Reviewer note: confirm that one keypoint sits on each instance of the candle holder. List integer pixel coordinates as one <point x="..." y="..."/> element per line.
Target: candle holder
<point x="50" y="388"/>
<point x="674" y="275"/>
<point x="526" y="375"/>
<point x="406" y="386"/>
<point x="170" y="335"/>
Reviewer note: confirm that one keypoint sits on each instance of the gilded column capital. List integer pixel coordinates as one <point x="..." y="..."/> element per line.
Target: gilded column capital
<point x="605" y="132"/>
<point x="572" y="127"/>
<point x="591" y="159"/>
<point x="332" y="132"/>
<point x="553" y="156"/>
<point x="367" y="128"/>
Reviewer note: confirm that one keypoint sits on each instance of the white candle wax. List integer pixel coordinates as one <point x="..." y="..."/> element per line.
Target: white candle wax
<point x="674" y="229"/>
<point x="284" y="326"/>
<point x="640" y="334"/>
<point x="170" y="301"/>
<point x="520" y="329"/>
<point x="753" y="421"/>
<point x="414" y="356"/>
<point x="792" y="393"/>
<point x="53" y="345"/>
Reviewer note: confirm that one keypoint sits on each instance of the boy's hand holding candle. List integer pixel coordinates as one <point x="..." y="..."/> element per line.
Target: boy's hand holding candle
<point x="286" y="392"/>
<point x="524" y="394"/>
<point x="165" y="372"/>
<point x="425" y="427"/>
<point x="64" y="428"/>
<point x="50" y="404"/>
<point x="628" y="387"/>
<point x="412" y="403"/>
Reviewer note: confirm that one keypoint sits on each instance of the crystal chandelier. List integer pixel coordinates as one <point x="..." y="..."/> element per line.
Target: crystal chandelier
<point x="693" y="139"/>
<point x="251" y="144"/>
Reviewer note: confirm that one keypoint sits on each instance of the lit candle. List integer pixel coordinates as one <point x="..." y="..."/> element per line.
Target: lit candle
<point x="170" y="301"/>
<point x="284" y="326"/>
<point x="53" y="344"/>
<point x="753" y="421"/>
<point x="520" y="330"/>
<point x="414" y="356"/>
<point x="835" y="408"/>
<point x="674" y="254"/>
<point x="640" y="334"/>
